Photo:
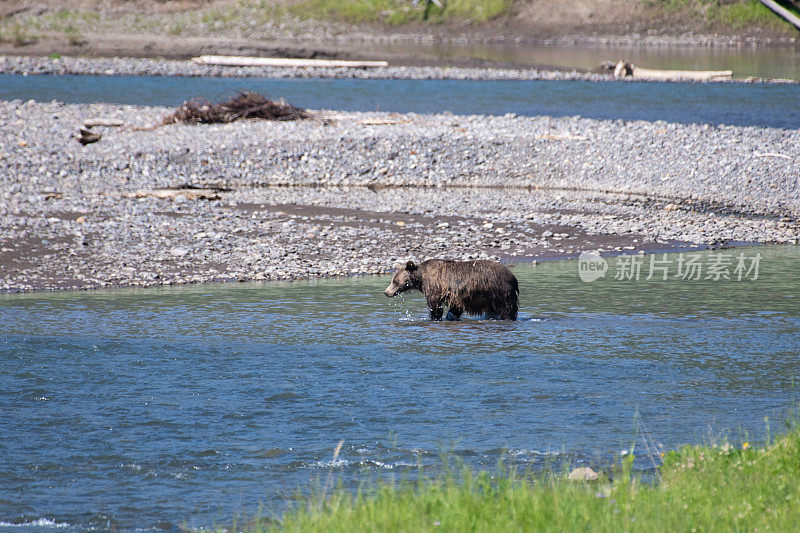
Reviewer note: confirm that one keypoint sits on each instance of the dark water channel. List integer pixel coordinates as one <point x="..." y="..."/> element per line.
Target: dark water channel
<point x="717" y="103"/>
<point x="158" y="408"/>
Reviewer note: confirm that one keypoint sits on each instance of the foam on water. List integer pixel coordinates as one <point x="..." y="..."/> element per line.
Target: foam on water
<point x="360" y="464"/>
<point x="403" y="308"/>
<point x="38" y="523"/>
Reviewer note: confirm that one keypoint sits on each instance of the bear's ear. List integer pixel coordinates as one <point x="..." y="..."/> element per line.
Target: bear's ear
<point x="410" y="266"/>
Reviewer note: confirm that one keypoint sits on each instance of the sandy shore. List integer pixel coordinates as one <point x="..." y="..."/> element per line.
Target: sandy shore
<point x="354" y="193"/>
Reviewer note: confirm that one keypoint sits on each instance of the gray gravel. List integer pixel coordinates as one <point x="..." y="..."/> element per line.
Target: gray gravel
<point x="164" y="67"/>
<point x="356" y="192"/>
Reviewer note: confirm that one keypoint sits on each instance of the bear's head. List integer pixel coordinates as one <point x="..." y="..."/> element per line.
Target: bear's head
<point x="405" y="279"/>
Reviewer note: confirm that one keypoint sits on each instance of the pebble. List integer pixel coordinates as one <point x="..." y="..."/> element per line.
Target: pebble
<point x="283" y="211"/>
<point x="583" y="473"/>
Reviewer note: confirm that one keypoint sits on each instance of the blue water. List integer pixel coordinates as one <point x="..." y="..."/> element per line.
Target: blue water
<point x="718" y="103"/>
<point x="187" y="406"/>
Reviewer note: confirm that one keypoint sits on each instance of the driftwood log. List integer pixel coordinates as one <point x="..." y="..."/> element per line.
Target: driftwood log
<point x="625" y="69"/>
<point x="240" y="61"/>
<point x="682" y="75"/>
<point x="172" y="194"/>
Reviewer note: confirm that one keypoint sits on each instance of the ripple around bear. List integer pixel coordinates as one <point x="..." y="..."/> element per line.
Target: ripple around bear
<point x="474" y="287"/>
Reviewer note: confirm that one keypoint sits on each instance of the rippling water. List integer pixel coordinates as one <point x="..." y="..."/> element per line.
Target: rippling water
<point x="158" y="408"/>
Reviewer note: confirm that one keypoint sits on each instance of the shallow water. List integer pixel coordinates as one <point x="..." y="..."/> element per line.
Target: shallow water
<point x="158" y="408"/>
<point x="717" y="103"/>
<point x="763" y="62"/>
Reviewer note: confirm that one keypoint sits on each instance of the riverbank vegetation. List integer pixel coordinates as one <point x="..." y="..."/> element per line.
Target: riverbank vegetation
<point x="736" y="14"/>
<point x="396" y="12"/>
<point x="696" y="488"/>
<point x="733" y="14"/>
<point x="258" y="19"/>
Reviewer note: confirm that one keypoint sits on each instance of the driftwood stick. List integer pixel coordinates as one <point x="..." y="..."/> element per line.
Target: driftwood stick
<point x="770" y="154"/>
<point x="91" y="122"/>
<point x="239" y="61"/>
<point x="171" y="194"/>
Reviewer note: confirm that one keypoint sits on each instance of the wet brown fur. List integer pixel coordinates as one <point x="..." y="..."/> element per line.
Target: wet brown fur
<point x="243" y="105"/>
<point x="472" y="287"/>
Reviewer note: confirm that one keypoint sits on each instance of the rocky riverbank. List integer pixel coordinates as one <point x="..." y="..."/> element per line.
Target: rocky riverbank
<point x="170" y="67"/>
<point x="354" y="193"/>
<point x="27" y="65"/>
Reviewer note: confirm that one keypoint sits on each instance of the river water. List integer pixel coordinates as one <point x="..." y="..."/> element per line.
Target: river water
<point x="187" y="406"/>
<point x="712" y="103"/>
<point x="762" y="62"/>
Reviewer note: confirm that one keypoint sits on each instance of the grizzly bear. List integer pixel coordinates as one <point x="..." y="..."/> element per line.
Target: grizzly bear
<point x="474" y="287"/>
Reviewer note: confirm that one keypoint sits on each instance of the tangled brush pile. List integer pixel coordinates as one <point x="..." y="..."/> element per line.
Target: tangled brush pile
<point x="244" y="105"/>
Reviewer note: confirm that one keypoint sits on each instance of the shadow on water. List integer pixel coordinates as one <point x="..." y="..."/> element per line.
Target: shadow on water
<point x="191" y="404"/>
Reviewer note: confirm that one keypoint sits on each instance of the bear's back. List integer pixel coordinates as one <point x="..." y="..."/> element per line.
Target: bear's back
<point x="478" y="287"/>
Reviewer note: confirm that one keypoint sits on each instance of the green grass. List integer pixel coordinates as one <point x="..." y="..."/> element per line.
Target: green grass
<point x="20" y="35"/>
<point x="752" y="12"/>
<point x="72" y="23"/>
<point x="73" y="35"/>
<point x="176" y="28"/>
<point x="735" y="14"/>
<point x="240" y="17"/>
<point x="698" y="488"/>
<point x="396" y="12"/>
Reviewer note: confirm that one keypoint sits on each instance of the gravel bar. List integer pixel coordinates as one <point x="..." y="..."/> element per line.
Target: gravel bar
<point x="353" y="193"/>
<point x="28" y="65"/>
